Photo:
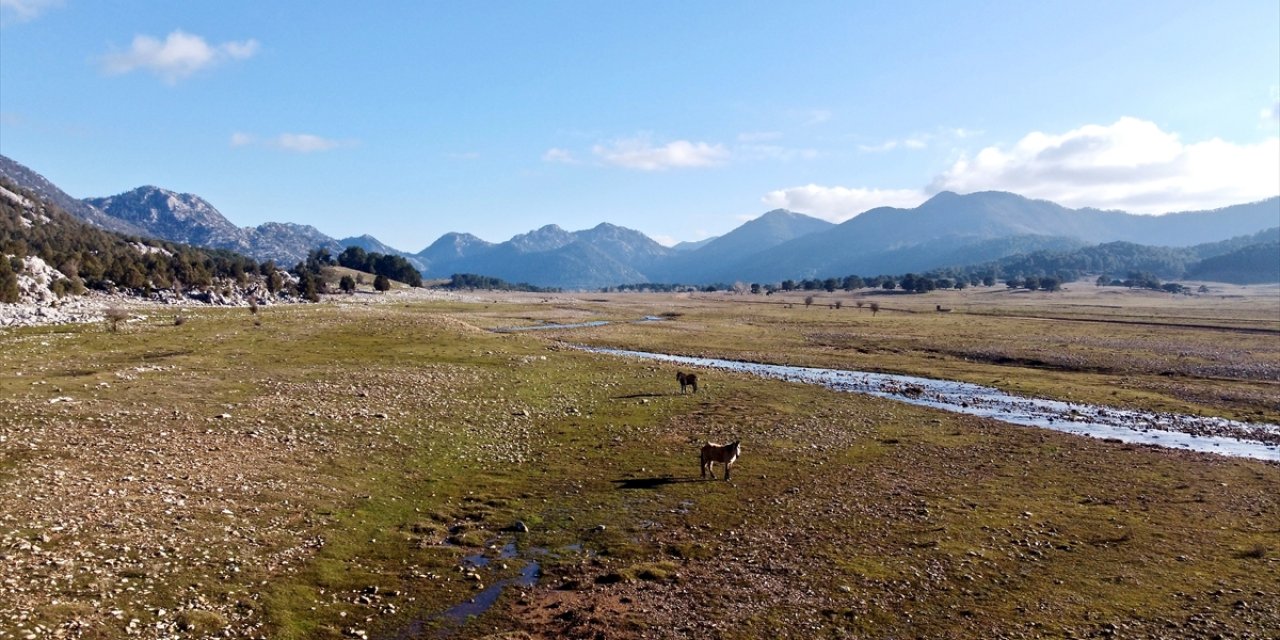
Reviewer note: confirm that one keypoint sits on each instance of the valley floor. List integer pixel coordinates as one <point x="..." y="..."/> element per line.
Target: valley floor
<point x="397" y="470"/>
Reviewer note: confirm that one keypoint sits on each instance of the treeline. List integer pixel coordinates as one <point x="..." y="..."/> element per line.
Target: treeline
<point x="475" y="281"/>
<point x="1244" y="260"/>
<point x="1254" y="264"/>
<point x="381" y="264"/>
<point x="92" y="258"/>
<point x="908" y="282"/>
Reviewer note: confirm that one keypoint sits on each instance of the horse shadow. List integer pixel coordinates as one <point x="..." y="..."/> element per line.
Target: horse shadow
<point x="650" y="483"/>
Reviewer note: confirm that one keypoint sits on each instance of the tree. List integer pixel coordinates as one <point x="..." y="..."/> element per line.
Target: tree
<point x="8" y="281"/>
<point x="875" y="308"/>
<point x="354" y="257"/>
<point x="307" y="288"/>
<point x="382" y="283"/>
<point x="348" y="284"/>
<point x="808" y="301"/>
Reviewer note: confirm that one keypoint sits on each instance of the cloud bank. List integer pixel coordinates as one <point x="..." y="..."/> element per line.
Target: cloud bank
<point x="1130" y="165"/>
<point x="178" y="56"/>
<point x="837" y="204"/>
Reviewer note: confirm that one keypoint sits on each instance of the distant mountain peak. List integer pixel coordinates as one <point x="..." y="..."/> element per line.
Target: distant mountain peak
<point x="779" y="213"/>
<point x="544" y="238"/>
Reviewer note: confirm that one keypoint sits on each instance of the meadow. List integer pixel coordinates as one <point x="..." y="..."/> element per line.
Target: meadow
<point x="389" y="467"/>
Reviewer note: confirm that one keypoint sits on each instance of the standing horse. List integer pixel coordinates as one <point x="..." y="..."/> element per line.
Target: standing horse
<point x="687" y="380"/>
<point x="726" y="454"/>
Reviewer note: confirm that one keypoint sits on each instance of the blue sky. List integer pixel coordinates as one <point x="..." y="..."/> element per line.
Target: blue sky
<point x="410" y="119"/>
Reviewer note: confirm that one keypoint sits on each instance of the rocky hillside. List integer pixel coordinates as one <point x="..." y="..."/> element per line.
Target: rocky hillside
<point x="153" y="212"/>
<point x="77" y="261"/>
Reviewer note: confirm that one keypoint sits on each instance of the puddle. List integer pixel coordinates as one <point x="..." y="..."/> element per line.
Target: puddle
<point x="551" y="325"/>
<point x="571" y="325"/>
<point x="457" y="615"/>
<point x="451" y="621"/>
<point x="478" y="560"/>
<point x="1195" y="433"/>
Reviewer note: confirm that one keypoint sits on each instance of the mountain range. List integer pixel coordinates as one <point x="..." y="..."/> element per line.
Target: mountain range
<point x="948" y="230"/>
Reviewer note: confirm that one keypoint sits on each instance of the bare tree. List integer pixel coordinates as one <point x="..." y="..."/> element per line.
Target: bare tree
<point x="875" y="308"/>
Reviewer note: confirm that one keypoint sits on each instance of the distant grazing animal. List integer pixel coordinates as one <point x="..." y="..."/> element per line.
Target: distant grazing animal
<point x="687" y="380"/>
<point x="723" y="453"/>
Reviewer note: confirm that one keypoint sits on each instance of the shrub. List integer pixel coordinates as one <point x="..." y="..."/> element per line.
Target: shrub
<point x="114" y="316"/>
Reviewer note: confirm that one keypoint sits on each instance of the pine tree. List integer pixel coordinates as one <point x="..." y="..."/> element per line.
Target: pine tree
<point x="8" y="281"/>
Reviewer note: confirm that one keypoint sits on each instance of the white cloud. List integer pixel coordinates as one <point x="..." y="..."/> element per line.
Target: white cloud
<point x="305" y="143"/>
<point x="294" y="142"/>
<point x="1131" y="164"/>
<point x="555" y="154"/>
<point x="24" y="10"/>
<point x="838" y="204"/>
<point x="640" y="153"/>
<point x="178" y="56"/>
<point x="917" y="141"/>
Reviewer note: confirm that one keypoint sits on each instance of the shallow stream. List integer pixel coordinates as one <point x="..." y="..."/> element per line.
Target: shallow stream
<point x="1195" y="433"/>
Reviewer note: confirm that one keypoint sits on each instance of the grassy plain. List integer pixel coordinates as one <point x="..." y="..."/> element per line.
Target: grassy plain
<point x="353" y="470"/>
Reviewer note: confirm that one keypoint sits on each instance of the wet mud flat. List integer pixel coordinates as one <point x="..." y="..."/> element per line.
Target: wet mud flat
<point x="1196" y="433"/>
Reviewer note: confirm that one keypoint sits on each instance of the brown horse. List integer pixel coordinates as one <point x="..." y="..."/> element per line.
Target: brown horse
<point x="726" y="454"/>
<point x="687" y="380"/>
